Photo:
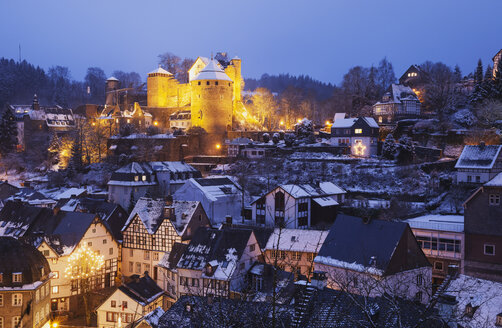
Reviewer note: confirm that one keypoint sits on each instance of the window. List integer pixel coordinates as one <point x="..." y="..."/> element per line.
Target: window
<point x="1" y="277"/>
<point x="147" y="267"/>
<point x="110" y="251"/>
<point x="310" y="256"/>
<point x="138" y="267"/>
<point x="1" y="322"/>
<point x="93" y="230"/>
<point x="131" y="266"/>
<point x="498" y="321"/>
<point x="207" y="83"/>
<point x="198" y="83"/>
<point x="155" y="256"/>
<point x="143" y="178"/>
<point x="46" y="252"/>
<point x="195" y="282"/>
<point x="1" y="300"/>
<point x="478" y="178"/>
<point x="438" y="265"/>
<point x="17" y="299"/>
<point x="124" y="305"/>
<point x="489" y="249"/>
<point x="89" y="244"/>
<point x="104" y="241"/>
<point x="131" y="253"/>
<point x="469" y="178"/>
<point x="111" y="316"/>
<point x="147" y="255"/>
<point x="418" y="297"/>
<point x="183" y="281"/>
<point x="17" y="277"/>
<point x="15" y="321"/>
<point x="420" y="280"/>
<point x="494" y="200"/>
<point x="297" y="256"/>
<point x="252" y="247"/>
<point x="55" y="289"/>
<point x="358" y="131"/>
<point x="136" y="178"/>
<point x="113" y="304"/>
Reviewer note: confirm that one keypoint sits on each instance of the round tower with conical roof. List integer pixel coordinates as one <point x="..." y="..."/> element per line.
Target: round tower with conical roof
<point x="212" y="92"/>
<point x="162" y="89"/>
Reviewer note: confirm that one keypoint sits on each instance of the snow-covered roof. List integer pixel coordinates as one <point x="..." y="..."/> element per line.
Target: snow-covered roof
<point x="160" y="70"/>
<point x="483" y="295"/>
<point x="217" y="187"/>
<point x="153" y="317"/>
<point x="478" y="156"/>
<point x="126" y="175"/>
<point x="212" y="71"/>
<point x="495" y="182"/>
<point x="150" y="212"/>
<point x="68" y="193"/>
<point x="311" y="190"/>
<point x="296" y="240"/>
<point x="112" y="78"/>
<point x="438" y="222"/>
<point x="402" y="92"/>
<point x="349" y="122"/>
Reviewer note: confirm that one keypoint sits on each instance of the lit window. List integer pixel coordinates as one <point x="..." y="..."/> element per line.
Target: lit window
<point x="358" y="131"/>
<point x="1" y="300"/>
<point x="17" y="277"/>
<point x="17" y="299"/>
<point x="124" y="304"/>
<point x="494" y="200"/>
<point x="489" y="249"/>
<point x="143" y="178"/>
<point x="55" y="289"/>
<point x="136" y="178"/>
<point x="15" y="321"/>
<point x="55" y="274"/>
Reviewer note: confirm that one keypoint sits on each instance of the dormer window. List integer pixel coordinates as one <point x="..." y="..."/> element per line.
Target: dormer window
<point x="358" y="131"/>
<point x="17" y="277"/>
<point x="143" y="178"/>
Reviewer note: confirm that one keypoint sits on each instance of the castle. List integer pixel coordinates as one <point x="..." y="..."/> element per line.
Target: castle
<point x="212" y="96"/>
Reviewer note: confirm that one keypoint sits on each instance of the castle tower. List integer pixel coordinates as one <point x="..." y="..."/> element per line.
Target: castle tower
<point x="162" y="90"/>
<point x="212" y="93"/>
<point x="112" y="84"/>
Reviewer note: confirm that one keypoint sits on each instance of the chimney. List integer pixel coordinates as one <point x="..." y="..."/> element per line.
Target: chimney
<point x="35" y="105"/>
<point x="482" y="145"/>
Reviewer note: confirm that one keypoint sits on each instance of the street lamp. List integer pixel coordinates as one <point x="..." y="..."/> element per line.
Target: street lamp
<point x="218" y="146"/>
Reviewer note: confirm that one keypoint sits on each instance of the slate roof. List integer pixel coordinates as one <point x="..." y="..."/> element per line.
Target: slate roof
<point x="333" y="308"/>
<point x="143" y="290"/>
<point x="16" y="257"/>
<point x="324" y="189"/>
<point x="159" y="70"/>
<point x="170" y="260"/>
<point x="18" y="220"/>
<point x="349" y="122"/>
<point x="495" y="182"/>
<point x="351" y="244"/>
<point x="129" y="171"/>
<point x="478" y="156"/>
<point x="212" y="71"/>
<point x="221" y="248"/>
<point x="222" y="312"/>
<point x="7" y="190"/>
<point x="151" y="318"/>
<point x="150" y="211"/>
<point x="70" y="230"/>
<point x="213" y="188"/>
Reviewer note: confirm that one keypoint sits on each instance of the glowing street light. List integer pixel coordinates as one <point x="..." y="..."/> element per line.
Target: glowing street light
<point x="155" y="123"/>
<point x="299" y="120"/>
<point x="54" y="325"/>
<point x="281" y="122"/>
<point x="218" y="146"/>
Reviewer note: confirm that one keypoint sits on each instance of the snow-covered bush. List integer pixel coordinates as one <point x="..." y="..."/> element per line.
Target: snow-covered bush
<point x="406" y="150"/>
<point x="289" y="139"/>
<point x="304" y="127"/>
<point x="464" y="117"/>
<point x="276" y="138"/>
<point x="266" y="137"/>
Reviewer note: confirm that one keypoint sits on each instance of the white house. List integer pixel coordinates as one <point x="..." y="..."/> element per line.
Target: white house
<point x="216" y="262"/>
<point x="479" y="163"/>
<point x="399" y="102"/>
<point x="133" y="180"/>
<point x="130" y="302"/>
<point x="374" y="257"/>
<point x="360" y="134"/>
<point x="220" y="197"/>
<point x="181" y="120"/>
<point x="298" y="206"/>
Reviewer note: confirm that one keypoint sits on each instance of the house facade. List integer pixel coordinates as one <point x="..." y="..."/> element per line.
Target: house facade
<point x="76" y="230"/>
<point x="298" y="206"/>
<point x="374" y="257"/>
<point x="360" y="134"/>
<point x="479" y="163"/>
<point x="216" y="262"/>
<point x="181" y="120"/>
<point x="132" y="181"/>
<point x="294" y="250"/>
<point x="401" y="101"/>
<point x="152" y="229"/>
<point x="130" y="302"/>
<point x="483" y="232"/>
<point x="220" y="196"/>
<point x="441" y="238"/>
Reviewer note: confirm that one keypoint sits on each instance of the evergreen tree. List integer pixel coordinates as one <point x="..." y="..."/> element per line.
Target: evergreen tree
<point x="457" y="74"/>
<point x="488" y="73"/>
<point x="8" y="132"/>
<point x="76" y="164"/>
<point x="389" y="147"/>
<point x="478" y="74"/>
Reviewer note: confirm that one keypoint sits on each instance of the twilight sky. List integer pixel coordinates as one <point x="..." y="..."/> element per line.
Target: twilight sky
<point x="321" y="38"/>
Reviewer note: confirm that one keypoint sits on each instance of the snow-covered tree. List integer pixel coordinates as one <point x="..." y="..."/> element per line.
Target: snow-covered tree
<point x="8" y="132"/>
<point x="406" y="150"/>
<point x="389" y="147"/>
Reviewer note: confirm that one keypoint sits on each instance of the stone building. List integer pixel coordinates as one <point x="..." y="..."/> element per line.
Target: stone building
<point x="24" y="286"/>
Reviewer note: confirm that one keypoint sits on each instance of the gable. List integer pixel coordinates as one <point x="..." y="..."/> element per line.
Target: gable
<point x="44" y="246"/>
<point x="407" y="255"/>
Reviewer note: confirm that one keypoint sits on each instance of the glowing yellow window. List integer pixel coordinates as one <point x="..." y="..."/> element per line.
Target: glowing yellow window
<point x="358" y="131"/>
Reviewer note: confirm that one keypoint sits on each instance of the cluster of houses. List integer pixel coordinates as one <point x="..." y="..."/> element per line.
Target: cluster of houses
<point x="195" y="240"/>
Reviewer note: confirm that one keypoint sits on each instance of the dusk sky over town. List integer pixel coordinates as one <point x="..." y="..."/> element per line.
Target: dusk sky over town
<point x="320" y="38"/>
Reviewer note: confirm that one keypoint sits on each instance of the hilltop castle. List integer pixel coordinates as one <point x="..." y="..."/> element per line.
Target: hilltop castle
<point x="212" y="96"/>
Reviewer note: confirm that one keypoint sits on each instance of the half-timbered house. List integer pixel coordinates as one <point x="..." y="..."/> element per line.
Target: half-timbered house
<point x="153" y="227"/>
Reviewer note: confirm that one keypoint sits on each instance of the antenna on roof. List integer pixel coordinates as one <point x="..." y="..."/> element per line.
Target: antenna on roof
<point x="211" y="55"/>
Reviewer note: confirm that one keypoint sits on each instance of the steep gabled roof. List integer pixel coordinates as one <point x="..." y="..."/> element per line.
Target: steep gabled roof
<point x="143" y="290"/>
<point x="365" y="247"/>
<point x="18" y="220"/>
<point x="212" y="71"/>
<point x="478" y="156"/>
<point x="159" y="70"/>
<point x="222" y="249"/>
<point x="312" y="190"/>
<point x="70" y="230"/>
<point x="171" y="259"/>
<point x="495" y="182"/>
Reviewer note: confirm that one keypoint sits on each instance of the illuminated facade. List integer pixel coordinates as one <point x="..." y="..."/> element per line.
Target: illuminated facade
<point x="360" y="134"/>
<point x="212" y="95"/>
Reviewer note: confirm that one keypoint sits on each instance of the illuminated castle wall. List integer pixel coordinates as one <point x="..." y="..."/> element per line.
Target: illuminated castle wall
<point x="213" y="93"/>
